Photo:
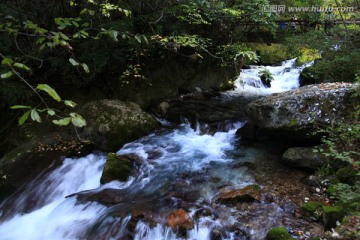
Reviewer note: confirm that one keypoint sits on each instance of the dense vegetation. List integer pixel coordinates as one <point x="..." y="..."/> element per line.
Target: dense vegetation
<point x="57" y="53"/>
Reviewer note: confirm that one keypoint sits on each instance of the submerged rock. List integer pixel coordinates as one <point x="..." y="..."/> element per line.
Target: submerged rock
<point x="179" y="220"/>
<point x="294" y="114"/>
<point x="248" y="193"/>
<point x="112" y="123"/>
<point x="303" y="157"/>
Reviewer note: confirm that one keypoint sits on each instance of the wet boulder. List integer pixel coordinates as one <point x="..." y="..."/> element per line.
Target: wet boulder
<point x="119" y="167"/>
<point x="179" y="220"/>
<point x="294" y="114"/>
<point x="248" y="193"/>
<point x="210" y="109"/>
<point x="112" y="123"/>
<point x="303" y="157"/>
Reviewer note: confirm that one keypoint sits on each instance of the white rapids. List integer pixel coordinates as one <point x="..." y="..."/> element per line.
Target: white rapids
<point x="286" y="77"/>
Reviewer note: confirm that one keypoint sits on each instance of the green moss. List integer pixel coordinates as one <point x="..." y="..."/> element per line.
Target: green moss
<point x="279" y="233"/>
<point x="313" y="208"/>
<point x="331" y="215"/>
<point x="117" y="167"/>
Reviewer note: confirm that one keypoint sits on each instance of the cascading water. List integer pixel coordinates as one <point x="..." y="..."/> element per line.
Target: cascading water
<point x="188" y="164"/>
<point x="286" y="77"/>
<point x="180" y="168"/>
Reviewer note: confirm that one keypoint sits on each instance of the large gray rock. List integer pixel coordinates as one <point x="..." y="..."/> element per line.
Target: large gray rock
<point x="294" y="114"/>
<point x="210" y="109"/>
<point x="112" y="123"/>
<point x="303" y="157"/>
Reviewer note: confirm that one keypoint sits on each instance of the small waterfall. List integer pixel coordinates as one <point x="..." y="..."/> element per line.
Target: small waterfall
<point x="286" y="77"/>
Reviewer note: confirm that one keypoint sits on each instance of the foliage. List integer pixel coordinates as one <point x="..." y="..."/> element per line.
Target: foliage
<point x="266" y="76"/>
<point x="347" y="195"/>
<point x="339" y="56"/>
<point x="272" y="54"/>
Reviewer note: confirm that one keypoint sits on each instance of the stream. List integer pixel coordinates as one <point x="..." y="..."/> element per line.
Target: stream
<point x="182" y="167"/>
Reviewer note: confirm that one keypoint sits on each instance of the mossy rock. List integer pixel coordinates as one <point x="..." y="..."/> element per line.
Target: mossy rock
<point x="313" y="208"/>
<point x="112" y="123"/>
<point x="346" y="175"/>
<point x="279" y="233"/>
<point x="331" y="215"/>
<point x="117" y="167"/>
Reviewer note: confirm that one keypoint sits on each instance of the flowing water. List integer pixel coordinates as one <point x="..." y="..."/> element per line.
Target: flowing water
<point x="181" y="167"/>
<point x="285" y="77"/>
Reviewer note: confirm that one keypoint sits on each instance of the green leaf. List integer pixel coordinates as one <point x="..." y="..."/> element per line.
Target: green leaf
<point x="6" y="75"/>
<point x="7" y="61"/>
<point x="144" y="39"/>
<point x="49" y="90"/>
<point x="22" y="66"/>
<point x="62" y="122"/>
<point x="77" y="120"/>
<point x="83" y="11"/>
<point x="127" y="12"/>
<point x="138" y="39"/>
<point x="66" y="38"/>
<point x="51" y="112"/>
<point x="113" y="35"/>
<point x="35" y="115"/>
<point x="85" y="67"/>
<point x="70" y="103"/>
<point x="24" y="117"/>
<point x="20" y="107"/>
<point x="73" y="62"/>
